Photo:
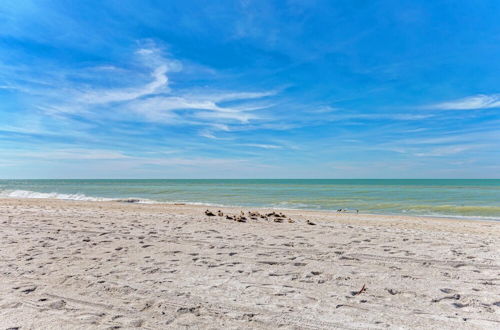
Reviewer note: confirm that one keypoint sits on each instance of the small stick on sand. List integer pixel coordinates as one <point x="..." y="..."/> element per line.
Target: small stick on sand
<point x="363" y="289"/>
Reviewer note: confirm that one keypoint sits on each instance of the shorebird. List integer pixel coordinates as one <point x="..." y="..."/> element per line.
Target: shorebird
<point x="220" y="214"/>
<point x="209" y="213"/>
<point x="310" y="223"/>
<point x="253" y="214"/>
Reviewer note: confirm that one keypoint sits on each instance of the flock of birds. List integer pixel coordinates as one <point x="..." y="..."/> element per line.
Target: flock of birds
<point x="242" y="217"/>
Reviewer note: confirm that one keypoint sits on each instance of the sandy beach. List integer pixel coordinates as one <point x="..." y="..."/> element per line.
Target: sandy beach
<point x="109" y="265"/>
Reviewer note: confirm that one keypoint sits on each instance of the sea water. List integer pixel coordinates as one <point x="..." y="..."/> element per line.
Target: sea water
<point x="443" y="197"/>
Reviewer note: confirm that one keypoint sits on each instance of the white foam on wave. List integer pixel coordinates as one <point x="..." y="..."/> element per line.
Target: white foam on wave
<point x="75" y="197"/>
<point x="51" y="195"/>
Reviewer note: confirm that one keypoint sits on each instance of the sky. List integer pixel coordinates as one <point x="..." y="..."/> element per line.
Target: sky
<point x="249" y="89"/>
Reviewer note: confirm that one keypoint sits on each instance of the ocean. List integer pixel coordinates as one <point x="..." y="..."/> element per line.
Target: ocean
<point x="462" y="198"/>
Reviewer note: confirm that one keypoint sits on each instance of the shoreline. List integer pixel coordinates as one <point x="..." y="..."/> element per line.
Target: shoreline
<point x="127" y="201"/>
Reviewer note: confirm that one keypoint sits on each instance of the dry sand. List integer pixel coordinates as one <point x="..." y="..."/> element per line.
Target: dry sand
<point x="92" y="265"/>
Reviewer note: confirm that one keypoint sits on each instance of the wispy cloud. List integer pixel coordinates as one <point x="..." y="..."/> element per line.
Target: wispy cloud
<point x="263" y="146"/>
<point x="70" y="154"/>
<point x="149" y="56"/>
<point x="444" y="151"/>
<point x="329" y="113"/>
<point x="96" y="155"/>
<point x="169" y="109"/>
<point x="158" y="84"/>
<point x="475" y="102"/>
<point x="155" y="100"/>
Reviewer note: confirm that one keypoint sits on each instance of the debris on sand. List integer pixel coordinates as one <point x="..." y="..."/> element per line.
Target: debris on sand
<point x="129" y="200"/>
<point x="363" y="289"/>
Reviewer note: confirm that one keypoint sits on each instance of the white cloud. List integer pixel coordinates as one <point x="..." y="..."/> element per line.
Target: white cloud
<point x="158" y="84"/>
<point x="166" y="109"/>
<point x="154" y="101"/>
<point x="208" y="134"/>
<point x="444" y="151"/>
<point x="470" y="103"/>
<point x="327" y="113"/>
<point x="263" y="146"/>
<point x="242" y="96"/>
<point x="73" y="154"/>
<point x="198" y="161"/>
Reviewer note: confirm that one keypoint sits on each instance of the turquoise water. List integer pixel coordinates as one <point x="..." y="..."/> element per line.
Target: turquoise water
<point x="451" y="198"/>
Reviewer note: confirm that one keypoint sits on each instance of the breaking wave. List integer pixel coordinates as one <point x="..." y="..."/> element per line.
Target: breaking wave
<point x="74" y="197"/>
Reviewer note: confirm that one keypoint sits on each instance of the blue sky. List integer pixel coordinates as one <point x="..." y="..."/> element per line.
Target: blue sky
<point x="249" y="89"/>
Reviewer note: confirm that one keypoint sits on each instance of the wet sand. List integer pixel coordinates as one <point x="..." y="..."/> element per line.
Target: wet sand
<point x="104" y="265"/>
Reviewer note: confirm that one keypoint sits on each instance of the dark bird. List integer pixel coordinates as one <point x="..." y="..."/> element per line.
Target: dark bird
<point x="310" y="223"/>
<point x="210" y="214"/>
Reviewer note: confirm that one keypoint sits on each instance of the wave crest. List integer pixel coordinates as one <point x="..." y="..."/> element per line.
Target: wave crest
<point x="74" y="197"/>
<point x="51" y="195"/>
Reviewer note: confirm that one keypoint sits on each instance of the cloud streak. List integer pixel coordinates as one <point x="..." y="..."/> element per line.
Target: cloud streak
<point x="154" y="101"/>
<point x="444" y="151"/>
<point x="159" y="83"/>
<point x="263" y="146"/>
<point x="475" y="102"/>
